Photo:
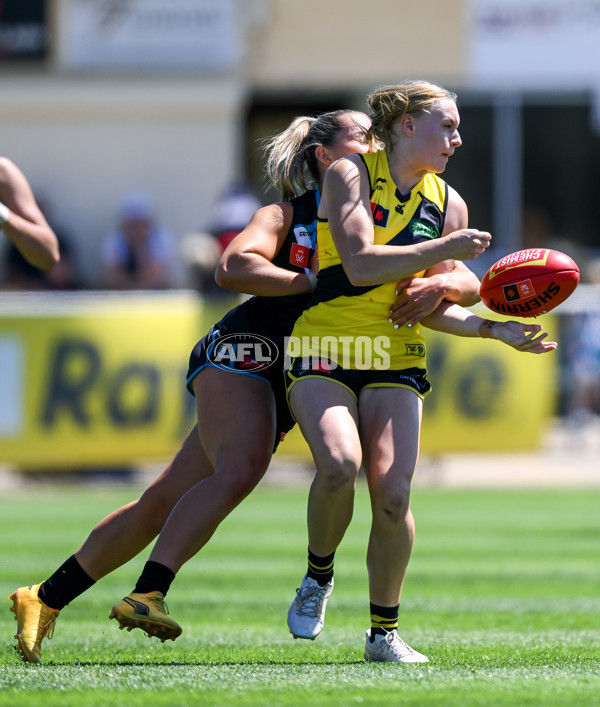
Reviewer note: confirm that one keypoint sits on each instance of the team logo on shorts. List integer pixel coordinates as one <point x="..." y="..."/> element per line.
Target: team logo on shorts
<point x="415" y="350"/>
<point x="243" y="352"/>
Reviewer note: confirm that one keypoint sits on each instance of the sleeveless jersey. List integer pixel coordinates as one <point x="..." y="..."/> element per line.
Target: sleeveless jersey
<point x="278" y="314"/>
<point x="349" y="324"/>
<point x="270" y="317"/>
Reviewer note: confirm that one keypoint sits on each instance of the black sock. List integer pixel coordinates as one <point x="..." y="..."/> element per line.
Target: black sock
<point x="69" y="581"/>
<point x="383" y="619"/>
<point x="154" y="578"/>
<point x="320" y="568"/>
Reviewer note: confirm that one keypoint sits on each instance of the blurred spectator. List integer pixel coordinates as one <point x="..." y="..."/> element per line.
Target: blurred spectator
<point x="539" y="232"/>
<point x="231" y="214"/>
<point x="200" y="251"/>
<point x="137" y="254"/>
<point x="20" y="274"/>
<point x="580" y="331"/>
<point x="582" y="342"/>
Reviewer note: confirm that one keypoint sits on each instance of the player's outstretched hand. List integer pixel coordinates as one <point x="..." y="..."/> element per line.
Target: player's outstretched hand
<point x="523" y="337"/>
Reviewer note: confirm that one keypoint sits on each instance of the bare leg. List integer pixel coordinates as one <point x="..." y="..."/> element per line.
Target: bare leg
<point x="125" y="532"/>
<point x="236" y="422"/>
<point x="114" y="541"/>
<point x="330" y="428"/>
<point x="390" y="424"/>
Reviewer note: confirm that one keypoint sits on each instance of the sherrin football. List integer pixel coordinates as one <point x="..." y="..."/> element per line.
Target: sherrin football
<point x="529" y="282"/>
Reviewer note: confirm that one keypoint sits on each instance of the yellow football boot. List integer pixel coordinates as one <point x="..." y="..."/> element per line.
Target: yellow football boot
<point x="35" y="621"/>
<point x="148" y="612"/>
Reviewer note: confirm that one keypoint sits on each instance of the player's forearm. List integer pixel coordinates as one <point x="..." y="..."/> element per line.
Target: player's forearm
<point x="254" y="275"/>
<point x="454" y="319"/>
<point x="461" y="286"/>
<point x="36" y="242"/>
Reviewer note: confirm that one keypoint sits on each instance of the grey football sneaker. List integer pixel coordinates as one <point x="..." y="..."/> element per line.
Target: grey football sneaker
<point x="390" y="648"/>
<point x="307" y="613"/>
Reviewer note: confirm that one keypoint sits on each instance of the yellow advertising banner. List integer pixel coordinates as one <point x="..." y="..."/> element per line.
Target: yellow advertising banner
<point x="96" y="379"/>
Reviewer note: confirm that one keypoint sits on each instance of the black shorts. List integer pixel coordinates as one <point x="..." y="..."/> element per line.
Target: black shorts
<point x="237" y="343"/>
<point x="355" y="380"/>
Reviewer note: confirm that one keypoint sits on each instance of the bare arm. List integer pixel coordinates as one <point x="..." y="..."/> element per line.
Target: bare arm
<point x="246" y="265"/>
<point x="346" y="204"/>
<point x="419" y="296"/>
<point x="523" y="336"/>
<point x="461" y="285"/>
<point x="450" y="280"/>
<point x="24" y="223"/>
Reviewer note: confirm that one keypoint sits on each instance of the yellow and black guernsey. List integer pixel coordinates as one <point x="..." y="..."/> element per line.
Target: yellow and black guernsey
<point x="349" y="324"/>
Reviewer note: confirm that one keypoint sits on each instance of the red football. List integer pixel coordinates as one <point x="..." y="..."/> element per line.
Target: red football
<point x="529" y="282"/>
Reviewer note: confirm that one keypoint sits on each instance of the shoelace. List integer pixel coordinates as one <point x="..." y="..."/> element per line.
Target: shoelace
<point x="397" y="645"/>
<point x="46" y="630"/>
<point x="162" y="605"/>
<point x="310" y="601"/>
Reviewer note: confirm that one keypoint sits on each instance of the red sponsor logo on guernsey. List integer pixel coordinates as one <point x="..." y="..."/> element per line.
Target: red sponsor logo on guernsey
<point x="299" y="255"/>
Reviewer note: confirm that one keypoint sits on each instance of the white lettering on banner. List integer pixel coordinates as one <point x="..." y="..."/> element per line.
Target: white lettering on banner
<point x="527" y="41"/>
<point x="151" y="33"/>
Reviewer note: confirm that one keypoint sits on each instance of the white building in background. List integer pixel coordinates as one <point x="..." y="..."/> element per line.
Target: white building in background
<point x="101" y="97"/>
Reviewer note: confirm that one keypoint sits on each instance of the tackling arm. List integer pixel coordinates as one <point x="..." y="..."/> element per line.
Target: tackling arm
<point x="246" y="264"/>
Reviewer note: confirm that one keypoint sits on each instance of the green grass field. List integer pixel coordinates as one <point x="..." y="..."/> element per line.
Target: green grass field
<point x="502" y="595"/>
